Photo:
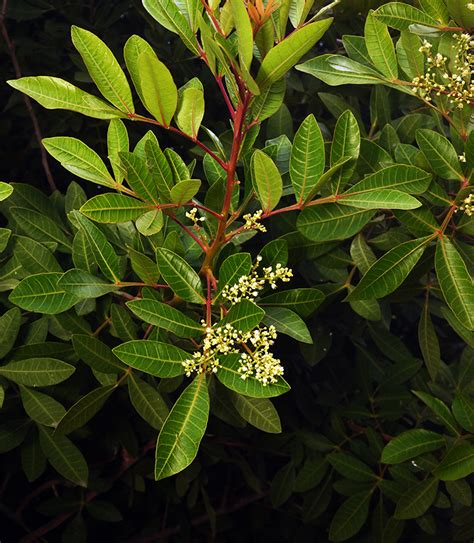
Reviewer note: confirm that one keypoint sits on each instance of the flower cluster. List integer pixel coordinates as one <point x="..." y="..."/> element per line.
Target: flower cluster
<point x="252" y="221"/>
<point x="192" y="216"/>
<point x="256" y="362"/>
<point x="440" y="78"/>
<point x="470" y="6"/>
<point x="468" y="205"/>
<point x="249" y="286"/>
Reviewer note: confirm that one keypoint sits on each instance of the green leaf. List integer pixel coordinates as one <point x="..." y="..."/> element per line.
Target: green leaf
<point x="429" y="343"/>
<point x="287" y="322"/>
<point x="184" y="191"/>
<point x="266" y="180"/>
<point x="183" y="430"/>
<point x="84" y="409"/>
<point x="82" y="284"/>
<point x="463" y="409"/>
<point x="150" y="223"/>
<point x="190" y="110"/>
<point x="351" y="467"/>
<point x="10" y="323"/>
<point x="440" y="409"/>
<point x="41" y="408"/>
<point x="117" y="141"/>
<point x="147" y="402"/>
<point x="166" y="317"/>
<point x="233" y="267"/>
<point x="96" y="354"/>
<point x="40" y="293"/>
<point x="79" y="159"/>
<point x="40" y="227"/>
<point x="269" y="101"/>
<point x="338" y="70"/>
<point x="379" y="199"/>
<point x="243" y="316"/>
<point x="400" y="177"/>
<point x="37" y="372"/>
<point x="64" y="456"/>
<point x="259" y="412"/>
<point x="105" y="256"/>
<point x="179" y="275"/>
<point x="362" y="254"/>
<point x="103" y="68"/>
<point x="417" y="500"/>
<point x="327" y="222"/>
<point x="389" y="272"/>
<point x="345" y="143"/>
<point x="281" y="58"/>
<point x="55" y="93"/>
<point x="400" y="16"/>
<point x="138" y="177"/>
<point x="380" y="46"/>
<point x="455" y="281"/>
<point x="159" y="169"/>
<point x="411" y="444"/>
<point x="34" y="256"/>
<point x="244" y="32"/>
<point x="113" y="208"/>
<point x="230" y="377"/>
<point x="303" y="301"/>
<point x="282" y="485"/>
<point x="307" y="158"/>
<point x="33" y="460"/>
<point x="153" y="357"/>
<point x="350" y="517"/>
<point x="440" y="154"/>
<point x="5" y="190"/>
<point x="457" y="464"/>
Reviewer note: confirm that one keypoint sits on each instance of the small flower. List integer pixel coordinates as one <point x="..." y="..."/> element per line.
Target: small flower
<point x="470" y="6"/>
<point x="462" y="158"/>
<point x="191" y="215"/>
<point x="468" y="205"/>
<point x="252" y="221"/>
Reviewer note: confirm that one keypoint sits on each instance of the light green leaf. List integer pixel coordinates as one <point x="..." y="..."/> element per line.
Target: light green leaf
<point x="114" y="208"/>
<point x="259" y="412"/>
<point x="147" y="402"/>
<point x="350" y="517"/>
<point x="380" y="46"/>
<point x="266" y="180"/>
<point x="82" y="284"/>
<point x="35" y="372"/>
<point x="244" y="32"/>
<point x="41" y="408"/>
<point x="411" y="444"/>
<point x="307" y="158"/>
<point x="463" y="409"/>
<point x="379" y="199"/>
<point x="281" y="58"/>
<point x="103" y="68"/>
<point x="417" y="499"/>
<point x="153" y="357"/>
<point x="138" y="177"/>
<point x="179" y="275"/>
<point x="389" y="272"/>
<point x="457" y="464"/>
<point x="84" y="409"/>
<point x="183" y="430"/>
<point x="302" y="300"/>
<point x="229" y="376"/>
<point x="455" y="281"/>
<point x="327" y="222"/>
<point x="338" y="70"/>
<point x="268" y="101"/>
<point x="190" y="110"/>
<point x="117" y="141"/>
<point x="287" y="322"/>
<point x="64" y="456"/>
<point x="233" y="267"/>
<point x="184" y="191"/>
<point x="345" y="143"/>
<point x="400" y="16"/>
<point x="159" y="169"/>
<point x="440" y="154"/>
<point x="40" y="293"/>
<point x="429" y="343"/>
<point x="96" y="354"/>
<point x="244" y="316"/>
<point x="55" y="93"/>
<point x="5" y="190"/>
<point x="166" y="317"/>
<point x="150" y="223"/>
<point x="79" y="159"/>
<point x="400" y="177"/>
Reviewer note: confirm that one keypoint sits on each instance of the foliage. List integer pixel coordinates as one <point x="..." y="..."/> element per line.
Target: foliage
<point x="246" y="308"/>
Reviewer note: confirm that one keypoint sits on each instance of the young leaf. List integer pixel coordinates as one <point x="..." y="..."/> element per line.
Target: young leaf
<point x="190" y="110"/>
<point x="380" y="46"/>
<point x="103" y="68"/>
<point x="259" y="412"/>
<point x="147" y="402"/>
<point x="150" y="223"/>
<point x="389" y="272"/>
<point x="184" y="191"/>
<point x="5" y="190"/>
<point x="40" y="293"/>
<point x="411" y="444"/>
<point x="440" y="154"/>
<point x="179" y="275"/>
<point x="159" y="169"/>
<point x="64" y="456"/>
<point x="416" y="501"/>
<point x="117" y="141"/>
<point x="37" y="372"/>
<point x="55" y="93"/>
<point x="79" y="159"/>
<point x="166" y="317"/>
<point x="114" y="208"/>
<point x="455" y="281"/>
<point x="244" y="32"/>
<point x="287" y="322"/>
<point x="266" y="180"/>
<point x="183" y="430"/>
<point x="281" y="58"/>
<point x="307" y="158"/>
<point x="138" y="177"/>
<point x="153" y="357"/>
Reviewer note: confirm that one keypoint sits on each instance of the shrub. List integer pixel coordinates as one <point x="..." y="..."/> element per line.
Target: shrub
<point x="160" y="304"/>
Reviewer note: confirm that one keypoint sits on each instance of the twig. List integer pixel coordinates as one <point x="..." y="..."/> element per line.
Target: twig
<point x="29" y="106"/>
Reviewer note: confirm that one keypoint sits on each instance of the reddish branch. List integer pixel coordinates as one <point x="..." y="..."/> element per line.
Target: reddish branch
<point x="29" y="106"/>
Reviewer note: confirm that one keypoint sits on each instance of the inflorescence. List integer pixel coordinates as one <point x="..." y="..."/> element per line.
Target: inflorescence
<point x="450" y="78"/>
<point x="249" y="286"/>
<point x="468" y="205"/>
<point x="252" y="221"/>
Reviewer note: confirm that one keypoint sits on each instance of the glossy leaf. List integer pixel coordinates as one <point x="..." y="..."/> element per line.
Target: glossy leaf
<point x="416" y="501"/>
<point x="266" y="180"/>
<point x="83" y="284"/>
<point x="439" y="153"/>
<point x="303" y="301"/>
<point x="138" y="177"/>
<point x="244" y="32"/>
<point x="380" y="199"/>
<point x="345" y="143"/>
<point x="113" y="208"/>
<point x="411" y="444"/>
<point x="350" y="517"/>
<point x="244" y="316"/>
<point x="259" y="412"/>
<point x="287" y="322"/>
<point x="400" y="16"/>
<point x="380" y="46"/>
<point x="190" y="110"/>
<point x="429" y="343"/>
<point x="148" y="403"/>
<point x="463" y="410"/>
<point x="184" y="191"/>
<point x="41" y="408"/>
<point x="457" y="464"/>
<point x="96" y="354"/>
<point x="10" y="323"/>
<point x="37" y="371"/>
<point x="179" y="275"/>
<point x="400" y="177"/>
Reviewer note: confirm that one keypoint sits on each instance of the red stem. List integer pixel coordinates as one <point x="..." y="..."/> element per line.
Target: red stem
<point x="226" y="96"/>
